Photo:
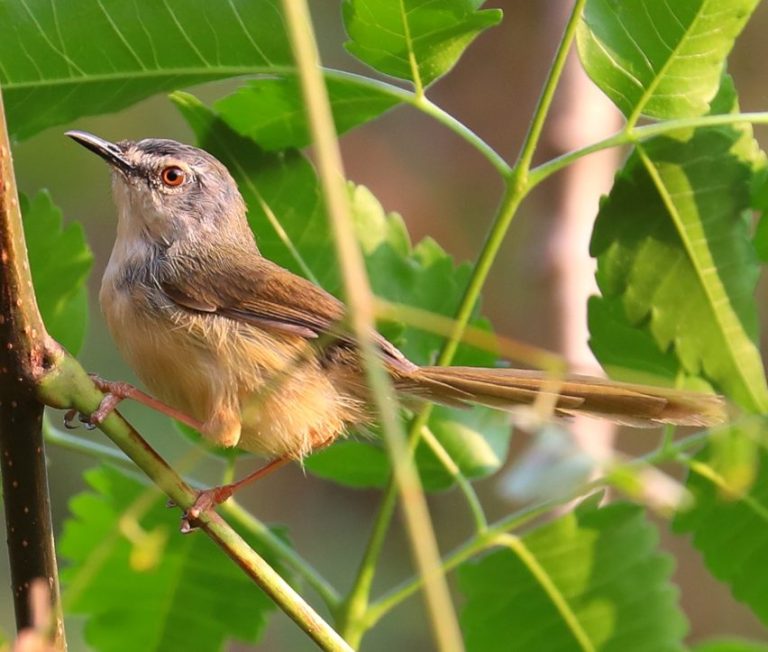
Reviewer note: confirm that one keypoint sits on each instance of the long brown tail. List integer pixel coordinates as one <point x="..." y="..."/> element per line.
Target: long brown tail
<point x="637" y="405"/>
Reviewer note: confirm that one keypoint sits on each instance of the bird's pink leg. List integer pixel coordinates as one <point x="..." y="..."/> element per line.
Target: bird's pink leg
<point x="115" y="392"/>
<point x="210" y="498"/>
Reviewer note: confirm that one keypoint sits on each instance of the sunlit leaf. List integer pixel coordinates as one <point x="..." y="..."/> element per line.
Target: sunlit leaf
<point x="416" y="40"/>
<point x="593" y="579"/>
<point x="62" y="60"/>
<point x="674" y="251"/>
<point x="660" y="58"/>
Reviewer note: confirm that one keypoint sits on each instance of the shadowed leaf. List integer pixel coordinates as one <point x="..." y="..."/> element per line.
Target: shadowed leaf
<point x="731" y="530"/>
<point x="60" y="261"/>
<point x="575" y="583"/>
<point x="271" y="111"/>
<point x="143" y="585"/>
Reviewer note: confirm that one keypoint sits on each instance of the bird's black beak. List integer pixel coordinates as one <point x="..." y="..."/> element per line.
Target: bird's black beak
<point x="110" y="152"/>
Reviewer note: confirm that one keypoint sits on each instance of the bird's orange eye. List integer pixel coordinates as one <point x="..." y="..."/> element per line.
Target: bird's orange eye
<point x="173" y="176"/>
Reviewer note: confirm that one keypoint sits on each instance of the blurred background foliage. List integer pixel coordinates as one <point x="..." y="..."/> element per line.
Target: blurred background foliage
<point x="443" y="189"/>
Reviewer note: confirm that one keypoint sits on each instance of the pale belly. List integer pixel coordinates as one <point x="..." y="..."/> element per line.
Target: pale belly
<point x="250" y="388"/>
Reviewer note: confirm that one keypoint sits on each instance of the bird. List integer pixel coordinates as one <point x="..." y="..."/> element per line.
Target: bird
<point x="257" y="357"/>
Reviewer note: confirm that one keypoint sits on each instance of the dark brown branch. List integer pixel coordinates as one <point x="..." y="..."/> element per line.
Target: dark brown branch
<point x="22" y="457"/>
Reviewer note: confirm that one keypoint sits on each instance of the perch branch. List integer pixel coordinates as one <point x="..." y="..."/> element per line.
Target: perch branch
<point x="23" y="340"/>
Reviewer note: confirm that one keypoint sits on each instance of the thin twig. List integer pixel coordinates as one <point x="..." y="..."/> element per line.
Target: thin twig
<point x="358" y="294"/>
<point x="516" y="190"/>
<point x="489" y="537"/>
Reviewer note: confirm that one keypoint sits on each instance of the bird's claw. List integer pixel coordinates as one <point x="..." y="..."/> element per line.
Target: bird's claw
<point x="206" y="501"/>
<point x="88" y="421"/>
<point x="69" y="417"/>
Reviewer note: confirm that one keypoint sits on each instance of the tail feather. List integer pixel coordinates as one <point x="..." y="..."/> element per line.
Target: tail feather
<point x="631" y="404"/>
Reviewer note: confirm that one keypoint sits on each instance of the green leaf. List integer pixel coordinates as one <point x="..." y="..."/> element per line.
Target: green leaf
<point x="674" y="249"/>
<point x="143" y="585"/>
<point x="593" y="579"/>
<point x="730" y="645"/>
<point x="425" y="276"/>
<point x="59" y="260"/>
<point x="659" y="58"/>
<point x="417" y="40"/>
<point x="761" y="239"/>
<point x="271" y="111"/>
<point x="352" y="463"/>
<point x="731" y="531"/>
<point x="63" y="60"/>
<point x="760" y="205"/>
<point x="619" y="346"/>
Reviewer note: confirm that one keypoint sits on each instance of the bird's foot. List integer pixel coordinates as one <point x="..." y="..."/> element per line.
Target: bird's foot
<point x="114" y="393"/>
<point x="206" y="500"/>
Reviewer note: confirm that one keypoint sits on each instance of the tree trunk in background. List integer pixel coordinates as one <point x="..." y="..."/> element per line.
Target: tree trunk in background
<point x="581" y="115"/>
<point x="556" y="461"/>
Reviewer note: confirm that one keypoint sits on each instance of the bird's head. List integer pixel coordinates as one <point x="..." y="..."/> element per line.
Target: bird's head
<point x="168" y="191"/>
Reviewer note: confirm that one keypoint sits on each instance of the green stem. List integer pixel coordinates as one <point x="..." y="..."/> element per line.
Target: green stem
<point x="361" y="315"/>
<point x="351" y="619"/>
<point x="555" y="595"/>
<point x="447" y="120"/>
<point x="517" y="189"/>
<point x="489" y="538"/>
<point x="476" y="544"/>
<point x="423" y="104"/>
<point x="359" y="595"/>
<point x="465" y="486"/>
<point x="360" y="592"/>
<point x="667" y="437"/>
<point x="66" y="385"/>
<point x="354" y="607"/>
<point x="541" y="111"/>
<point x="228" y="476"/>
<point x="509" y="205"/>
<point x="286" y="553"/>
<point x="545" y="170"/>
<point x="641" y="134"/>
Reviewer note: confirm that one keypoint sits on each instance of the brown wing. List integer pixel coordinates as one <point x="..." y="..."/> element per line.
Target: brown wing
<point x="252" y="289"/>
